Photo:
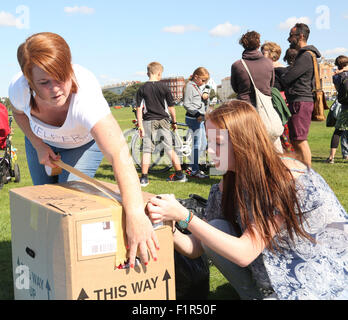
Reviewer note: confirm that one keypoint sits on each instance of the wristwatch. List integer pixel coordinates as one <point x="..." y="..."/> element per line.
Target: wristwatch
<point x="184" y="223"/>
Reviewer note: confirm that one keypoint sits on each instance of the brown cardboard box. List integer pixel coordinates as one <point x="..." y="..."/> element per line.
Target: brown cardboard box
<point x="64" y="242"/>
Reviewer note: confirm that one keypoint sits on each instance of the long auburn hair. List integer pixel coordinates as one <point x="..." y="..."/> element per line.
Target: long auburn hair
<point x="51" y="53"/>
<point x="261" y="186"/>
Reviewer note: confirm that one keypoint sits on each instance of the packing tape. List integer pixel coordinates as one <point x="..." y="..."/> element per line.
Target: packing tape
<point x="119" y="220"/>
<point x="51" y="172"/>
<point x="34" y="216"/>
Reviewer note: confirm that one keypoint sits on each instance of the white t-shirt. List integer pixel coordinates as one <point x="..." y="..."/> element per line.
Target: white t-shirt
<point x="86" y="108"/>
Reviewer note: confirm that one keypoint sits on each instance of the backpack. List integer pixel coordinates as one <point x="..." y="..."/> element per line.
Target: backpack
<point x="319" y="96"/>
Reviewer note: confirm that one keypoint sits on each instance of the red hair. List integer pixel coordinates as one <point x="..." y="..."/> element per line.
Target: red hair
<point x="49" y="52"/>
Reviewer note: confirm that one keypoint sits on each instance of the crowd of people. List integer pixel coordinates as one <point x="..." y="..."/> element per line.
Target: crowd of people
<point x="272" y="226"/>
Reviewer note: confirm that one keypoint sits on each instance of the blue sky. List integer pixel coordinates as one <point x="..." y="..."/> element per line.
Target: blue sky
<point x="117" y="39"/>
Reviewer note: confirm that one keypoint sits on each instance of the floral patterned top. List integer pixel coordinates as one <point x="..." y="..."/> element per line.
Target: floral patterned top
<point x="303" y="269"/>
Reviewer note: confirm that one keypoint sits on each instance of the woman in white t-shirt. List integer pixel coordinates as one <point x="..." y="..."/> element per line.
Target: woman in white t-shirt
<point x="63" y="114"/>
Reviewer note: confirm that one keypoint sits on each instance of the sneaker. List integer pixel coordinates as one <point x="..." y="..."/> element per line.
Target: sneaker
<point x="331" y="161"/>
<point x="198" y="174"/>
<point x="144" y="181"/>
<point x="175" y="178"/>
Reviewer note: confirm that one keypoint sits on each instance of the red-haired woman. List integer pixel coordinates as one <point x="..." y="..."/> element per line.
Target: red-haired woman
<point x="61" y="110"/>
<point x="278" y="222"/>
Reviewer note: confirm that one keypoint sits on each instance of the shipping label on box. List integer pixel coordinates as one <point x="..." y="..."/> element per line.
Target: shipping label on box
<point x="64" y="242"/>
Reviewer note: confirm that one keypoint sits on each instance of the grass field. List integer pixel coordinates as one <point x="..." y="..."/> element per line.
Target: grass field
<point x="319" y="139"/>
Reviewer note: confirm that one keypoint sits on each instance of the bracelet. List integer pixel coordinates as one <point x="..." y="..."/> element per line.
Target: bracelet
<point x="174" y="123"/>
<point x="191" y="216"/>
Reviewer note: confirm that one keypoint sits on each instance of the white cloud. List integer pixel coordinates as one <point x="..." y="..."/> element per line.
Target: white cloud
<point x="224" y="30"/>
<point x="345" y="16"/>
<point x="290" y="22"/>
<point x="76" y="9"/>
<point x="179" y="29"/>
<point x="335" y="52"/>
<point x="8" y="20"/>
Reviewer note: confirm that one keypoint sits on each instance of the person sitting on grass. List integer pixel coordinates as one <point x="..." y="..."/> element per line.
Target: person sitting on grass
<point x="154" y="105"/>
<point x="278" y="227"/>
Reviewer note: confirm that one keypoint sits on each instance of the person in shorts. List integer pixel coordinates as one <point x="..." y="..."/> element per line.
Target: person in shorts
<point x="155" y="106"/>
<point x="298" y="81"/>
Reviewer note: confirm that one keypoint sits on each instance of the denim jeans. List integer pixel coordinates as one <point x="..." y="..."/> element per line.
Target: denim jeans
<point x="199" y="144"/>
<point x="86" y="159"/>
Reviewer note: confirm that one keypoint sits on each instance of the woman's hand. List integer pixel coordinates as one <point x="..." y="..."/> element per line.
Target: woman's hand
<point x="45" y="154"/>
<point x="165" y="208"/>
<point x="141" y="237"/>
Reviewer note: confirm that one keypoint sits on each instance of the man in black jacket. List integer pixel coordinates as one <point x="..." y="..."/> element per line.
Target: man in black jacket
<point x="299" y="81"/>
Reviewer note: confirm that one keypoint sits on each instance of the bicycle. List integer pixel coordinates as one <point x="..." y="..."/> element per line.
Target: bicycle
<point x="160" y="162"/>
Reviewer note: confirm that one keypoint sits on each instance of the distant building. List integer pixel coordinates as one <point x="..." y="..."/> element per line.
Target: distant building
<point x="326" y="70"/>
<point x="118" y="88"/>
<point x="225" y="90"/>
<point x="176" y="86"/>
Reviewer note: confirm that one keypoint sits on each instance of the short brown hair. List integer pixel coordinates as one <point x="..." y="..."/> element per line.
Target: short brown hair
<point x="273" y="49"/>
<point x="49" y="52"/>
<point x="250" y="40"/>
<point x="341" y="62"/>
<point x="154" y="67"/>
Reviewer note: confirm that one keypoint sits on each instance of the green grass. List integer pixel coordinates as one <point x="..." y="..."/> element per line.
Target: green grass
<point x="319" y="139"/>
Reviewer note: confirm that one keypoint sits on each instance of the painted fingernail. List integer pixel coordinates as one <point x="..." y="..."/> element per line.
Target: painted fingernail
<point x="132" y="266"/>
<point x="154" y="259"/>
<point x="146" y="263"/>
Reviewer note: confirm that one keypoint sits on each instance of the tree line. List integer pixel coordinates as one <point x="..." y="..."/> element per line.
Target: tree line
<point x="127" y="97"/>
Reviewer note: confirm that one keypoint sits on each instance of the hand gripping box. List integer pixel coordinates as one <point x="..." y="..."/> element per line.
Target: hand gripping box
<point x="65" y="239"/>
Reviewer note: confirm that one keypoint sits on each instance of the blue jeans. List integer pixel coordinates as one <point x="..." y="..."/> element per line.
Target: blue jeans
<point x="86" y="159"/>
<point x="199" y="144"/>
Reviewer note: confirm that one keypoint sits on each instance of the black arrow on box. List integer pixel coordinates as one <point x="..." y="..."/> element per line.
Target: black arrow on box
<point x="166" y="277"/>
<point x="83" y="295"/>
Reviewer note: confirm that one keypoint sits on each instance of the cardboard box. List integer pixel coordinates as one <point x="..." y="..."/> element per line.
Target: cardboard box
<point x="64" y="244"/>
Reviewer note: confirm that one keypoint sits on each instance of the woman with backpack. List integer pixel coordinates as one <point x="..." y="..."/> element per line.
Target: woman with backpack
<point x="260" y="67"/>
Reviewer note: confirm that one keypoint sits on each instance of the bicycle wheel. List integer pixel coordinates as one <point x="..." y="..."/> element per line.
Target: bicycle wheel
<point x="183" y="144"/>
<point x="128" y="135"/>
<point x="160" y="162"/>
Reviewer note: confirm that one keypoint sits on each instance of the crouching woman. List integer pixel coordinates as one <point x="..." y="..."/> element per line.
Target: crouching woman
<point x="278" y="230"/>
